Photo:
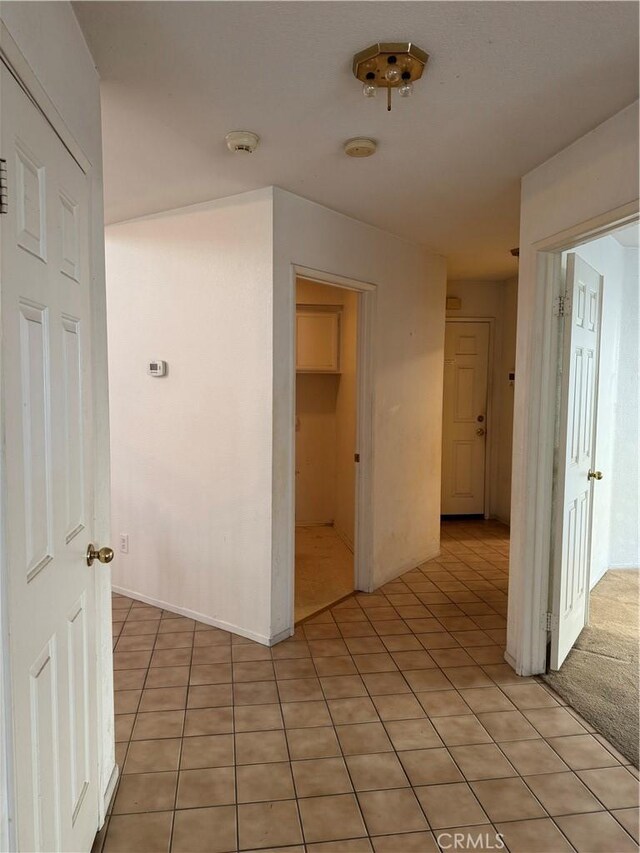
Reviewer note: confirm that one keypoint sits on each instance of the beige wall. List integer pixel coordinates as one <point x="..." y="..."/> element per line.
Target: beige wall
<point x="406" y="370"/>
<point x="316" y="395"/>
<point x="191" y="452"/>
<point x="495" y="300"/>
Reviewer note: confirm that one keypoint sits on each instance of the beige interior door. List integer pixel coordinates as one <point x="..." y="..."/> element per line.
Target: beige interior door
<point x="576" y="476"/>
<point x="48" y="463"/>
<point x="464" y="426"/>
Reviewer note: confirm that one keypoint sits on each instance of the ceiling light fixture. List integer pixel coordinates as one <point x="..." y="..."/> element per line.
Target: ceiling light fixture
<point x="360" y="147"/>
<point x="389" y="65"/>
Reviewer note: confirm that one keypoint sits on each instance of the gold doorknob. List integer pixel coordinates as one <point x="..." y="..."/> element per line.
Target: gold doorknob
<point x="595" y="475"/>
<point x="104" y="555"/>
<point x="480" y="431"/>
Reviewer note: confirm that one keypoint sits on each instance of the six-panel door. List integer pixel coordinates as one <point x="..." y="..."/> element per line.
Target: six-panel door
<point x="464" y="422"/>
<point x="46" y="357"/>
<point x="576" y="456"/>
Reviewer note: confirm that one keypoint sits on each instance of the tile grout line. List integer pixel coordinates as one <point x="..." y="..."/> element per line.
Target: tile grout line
<point x="369" y="613"/>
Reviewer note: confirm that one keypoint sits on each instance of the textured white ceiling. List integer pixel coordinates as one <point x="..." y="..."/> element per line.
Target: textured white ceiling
<point x="508" y="85"/>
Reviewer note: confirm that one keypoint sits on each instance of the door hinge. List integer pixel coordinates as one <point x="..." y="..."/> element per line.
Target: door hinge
<point x="549" y="621"/>
<point x="3" y="186"/>
<point x="562" y="306"/>
<point x="356" y="457"/>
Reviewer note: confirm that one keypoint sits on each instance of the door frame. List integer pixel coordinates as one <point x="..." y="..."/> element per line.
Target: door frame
<point x="532" y="536"/>
<point x="489" y="453"/>
<point x="363" y="528"/>
<point x="19" y="67"/>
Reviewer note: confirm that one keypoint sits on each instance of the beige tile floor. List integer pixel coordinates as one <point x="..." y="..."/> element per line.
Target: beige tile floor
<point x="324" y="569"/>
<point x="389" y="723"/>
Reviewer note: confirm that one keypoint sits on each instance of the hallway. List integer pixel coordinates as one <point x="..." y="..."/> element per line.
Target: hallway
<point x="384" y="723"/>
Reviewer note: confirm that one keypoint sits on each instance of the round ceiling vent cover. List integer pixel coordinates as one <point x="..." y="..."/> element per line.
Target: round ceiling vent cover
<point x="360" y="147"/>
<point x="242" y="140"/>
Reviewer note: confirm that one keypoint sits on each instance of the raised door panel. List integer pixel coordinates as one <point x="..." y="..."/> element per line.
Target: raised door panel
<point x="30" y="202"/>
<point x="36" y="436"/>
<point x="464" y="404"/>
<point x="70" y="261"/>
<point x="73" y="427"/>
<point x="462" y="467"/>
<point x="78" y="697"/>
<point x="45" y="773"/>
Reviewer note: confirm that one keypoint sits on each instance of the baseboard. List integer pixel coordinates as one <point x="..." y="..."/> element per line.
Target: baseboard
<point x="282" y="635"/>
<point x="406" y="567"/>
<point x="344" y="538"/>
<point x="202" y="617"/>
<point x="111" y="787"/>
<point x="510" y="660"/>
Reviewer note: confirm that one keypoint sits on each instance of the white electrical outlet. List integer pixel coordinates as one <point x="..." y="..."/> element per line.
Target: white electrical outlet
<point x="124" y="543"/>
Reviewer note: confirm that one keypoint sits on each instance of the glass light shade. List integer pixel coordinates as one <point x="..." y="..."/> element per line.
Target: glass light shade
<point x="369" y="90"/>
<point x="405" y="90"/>
<point x="392" y="74"/>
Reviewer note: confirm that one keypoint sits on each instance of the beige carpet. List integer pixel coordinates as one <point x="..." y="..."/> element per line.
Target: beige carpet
<point x="324" y="570"/>
<point x="600" y="675"/>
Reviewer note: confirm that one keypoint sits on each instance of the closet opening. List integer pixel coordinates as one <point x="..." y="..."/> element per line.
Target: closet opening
<point x="326" y="451"/>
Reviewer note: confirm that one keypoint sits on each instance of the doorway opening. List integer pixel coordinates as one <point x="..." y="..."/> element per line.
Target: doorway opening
<point x="595" y="552"/>
<point x="326" y="455"/>
<point x="478" y="399"/>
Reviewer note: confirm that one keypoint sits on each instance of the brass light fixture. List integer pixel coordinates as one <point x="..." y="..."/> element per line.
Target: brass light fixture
<point x="389" y="65"/>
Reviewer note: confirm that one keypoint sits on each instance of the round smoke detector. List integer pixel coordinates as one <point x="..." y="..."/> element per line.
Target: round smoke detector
<point x="360" y="147"/>
<point x="242" y="140"/>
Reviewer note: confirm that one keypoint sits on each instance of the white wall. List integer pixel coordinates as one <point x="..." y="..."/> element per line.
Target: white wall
<point x="615" y="531"/>
<point x="191" y="452"/>
<point x="495" y="300"/>
<point x="595" y="175"/>
<point x="50" y="39"/>
<point x="407" y="343"/>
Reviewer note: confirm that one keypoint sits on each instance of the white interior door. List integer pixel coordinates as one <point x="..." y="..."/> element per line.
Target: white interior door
<point x="576" y="456"/>
<point x="464" y="426"/>
<point x="48" y="440"/>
